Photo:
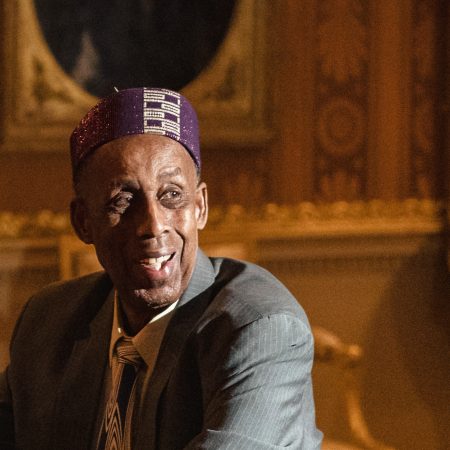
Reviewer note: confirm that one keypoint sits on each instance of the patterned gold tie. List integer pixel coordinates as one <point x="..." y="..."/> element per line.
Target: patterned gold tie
<point x="115" y="433"/>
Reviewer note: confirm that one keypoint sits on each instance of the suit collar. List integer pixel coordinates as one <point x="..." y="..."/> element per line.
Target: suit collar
<point x="202" y="277"/>
<point x="189" y="310"/>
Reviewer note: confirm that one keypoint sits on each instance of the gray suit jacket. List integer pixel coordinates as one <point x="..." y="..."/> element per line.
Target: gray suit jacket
<point x="233" y="371"/>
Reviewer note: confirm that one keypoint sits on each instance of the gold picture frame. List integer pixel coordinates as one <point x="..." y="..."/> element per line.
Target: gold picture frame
<point x="41" y="103"/>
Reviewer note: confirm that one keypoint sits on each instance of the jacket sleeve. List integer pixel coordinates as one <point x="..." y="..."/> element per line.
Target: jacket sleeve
<point x="6" y="414"/>
<point x="258" y="391"/>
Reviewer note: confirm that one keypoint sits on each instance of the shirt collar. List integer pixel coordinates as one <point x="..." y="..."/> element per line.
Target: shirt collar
<point x="148" y="340"/>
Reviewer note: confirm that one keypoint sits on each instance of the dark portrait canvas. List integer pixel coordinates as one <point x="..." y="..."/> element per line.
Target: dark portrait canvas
<point x="103" y="44"/>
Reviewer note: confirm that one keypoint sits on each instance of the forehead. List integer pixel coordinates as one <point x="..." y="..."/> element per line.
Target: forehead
<point x="140" y="154"/>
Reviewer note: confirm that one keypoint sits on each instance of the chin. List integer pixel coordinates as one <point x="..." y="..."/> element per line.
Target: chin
<point x="157" y="298"/>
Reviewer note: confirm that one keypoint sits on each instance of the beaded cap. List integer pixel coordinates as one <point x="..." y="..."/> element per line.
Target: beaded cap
<point x="137" y="111"/>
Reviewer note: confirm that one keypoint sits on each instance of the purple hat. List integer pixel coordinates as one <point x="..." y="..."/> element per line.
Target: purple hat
<point x="137" y="111"/>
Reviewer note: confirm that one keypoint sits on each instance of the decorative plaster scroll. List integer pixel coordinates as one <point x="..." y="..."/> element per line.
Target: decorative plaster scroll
<point x="308" y="220"/>
<point x="411" y="211"/>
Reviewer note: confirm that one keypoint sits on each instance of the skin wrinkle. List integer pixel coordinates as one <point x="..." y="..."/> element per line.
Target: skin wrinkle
<point x="139" y="197"/>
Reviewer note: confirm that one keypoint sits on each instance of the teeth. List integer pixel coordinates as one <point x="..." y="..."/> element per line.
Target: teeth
<point x="156" y="263"/>
<point x="156" y="266"/>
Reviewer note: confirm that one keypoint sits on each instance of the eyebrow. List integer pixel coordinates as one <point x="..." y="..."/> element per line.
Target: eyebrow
<point x="169" y="173"/>
<point x="125" y="183"/>
<point x="132" y="184"/>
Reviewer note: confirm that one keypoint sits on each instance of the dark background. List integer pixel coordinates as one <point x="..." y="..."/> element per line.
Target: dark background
<point x="159" y="43"/>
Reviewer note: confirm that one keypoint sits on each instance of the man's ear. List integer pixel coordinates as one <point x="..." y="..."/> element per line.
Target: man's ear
<point x="80" y="220"/>
<point x="201" y="206"/>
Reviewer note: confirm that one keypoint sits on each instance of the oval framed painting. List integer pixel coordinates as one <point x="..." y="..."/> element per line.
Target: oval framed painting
<point x="61" y="56"/>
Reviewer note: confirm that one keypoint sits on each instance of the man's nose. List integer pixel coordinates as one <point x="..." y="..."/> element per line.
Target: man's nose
<point x="151" y="220"/>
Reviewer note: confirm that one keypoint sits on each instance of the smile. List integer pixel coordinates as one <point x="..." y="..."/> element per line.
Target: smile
<point x="156" y="263"/>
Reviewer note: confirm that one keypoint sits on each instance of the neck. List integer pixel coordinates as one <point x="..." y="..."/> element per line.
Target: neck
<point x="135" y="318"/>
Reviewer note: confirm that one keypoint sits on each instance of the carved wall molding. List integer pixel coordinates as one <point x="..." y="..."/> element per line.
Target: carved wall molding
<point x="427" y="86"/>
<point x="337" y="218"/>
<point x="44" y="223"/>
<point x="304" y="219"/>
<point x="343" y="42"/>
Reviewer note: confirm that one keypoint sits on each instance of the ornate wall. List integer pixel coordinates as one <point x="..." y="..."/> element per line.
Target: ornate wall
<point x="334" y="107"/>
<point x="361" y="97"/>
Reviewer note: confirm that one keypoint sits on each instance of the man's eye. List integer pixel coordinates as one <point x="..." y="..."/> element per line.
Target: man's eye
<point x="120" y="203"/>
<point x="171" y="197"/>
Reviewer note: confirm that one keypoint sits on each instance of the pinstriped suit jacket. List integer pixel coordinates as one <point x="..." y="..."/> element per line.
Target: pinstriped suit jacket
<point x="233" y="371"/>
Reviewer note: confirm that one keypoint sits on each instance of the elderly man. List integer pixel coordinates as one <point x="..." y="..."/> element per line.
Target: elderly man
<point x="167" y="349"/>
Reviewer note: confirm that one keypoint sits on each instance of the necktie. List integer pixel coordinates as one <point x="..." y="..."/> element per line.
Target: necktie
<point x="115" y="433"/>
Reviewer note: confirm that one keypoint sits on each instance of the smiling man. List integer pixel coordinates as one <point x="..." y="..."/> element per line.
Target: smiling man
<point x="139" y="201"/>
<point x="166" y="349"/>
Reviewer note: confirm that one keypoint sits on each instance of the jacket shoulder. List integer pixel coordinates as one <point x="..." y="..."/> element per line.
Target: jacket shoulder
<point x="63" y="303"/>
<point x="247" y="292"/>
<point x="70" y="290"/>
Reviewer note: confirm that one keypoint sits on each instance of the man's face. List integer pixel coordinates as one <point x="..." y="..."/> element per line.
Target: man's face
<point x="141" y="207"/>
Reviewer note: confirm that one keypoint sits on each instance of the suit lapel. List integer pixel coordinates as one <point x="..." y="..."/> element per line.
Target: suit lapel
<point x="79" y="394"/>
<point x="189" y="310"/>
